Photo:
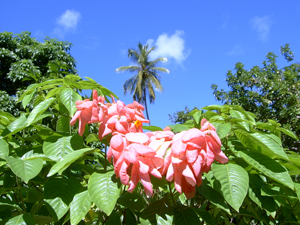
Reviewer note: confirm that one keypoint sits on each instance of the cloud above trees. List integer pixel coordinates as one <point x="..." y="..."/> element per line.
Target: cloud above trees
<point x="171" y="47"/>
<point x="67" y="22"/>
<point x="262" y="26"/>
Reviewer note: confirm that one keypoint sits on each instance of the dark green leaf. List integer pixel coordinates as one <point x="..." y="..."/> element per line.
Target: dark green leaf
<point x="185" y="216"/>
<point x="23" y="219"/>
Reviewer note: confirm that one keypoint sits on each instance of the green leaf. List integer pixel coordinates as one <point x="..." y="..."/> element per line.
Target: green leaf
<point x="104" y="191"/>
<point x="168" y="220"/>
<point x="7" y="202"/>
<point x="185" y="216"/>
<point x="59" y="193"/>
<point x="161" y="208"/>
<point x="206" y="216"/>
<point x="23" y="219"/>
<point x="80" y="206"/>
<point x="239" y="115"/>
<point x="53" y="92"/>
<point x="63" y="124"/>
<point x="71" y="83"/>
<point x="223" y="130"/>
<point x="69" y="98"/>
<point x="38" y="110"/>
<point x="268" y="167"/>
<point x="234" y="182"/>
<point x="67" y="160"/>
<point x="25" y="169"/>
<point x="212" y="107"/>
<point x="113" y="219"/>
<point x="91" y="138"/>
<point x="27" y="99"/>
<point x="261" y="143"/>
<point x="197" y="116"/>
<point x="57" y="147"/>
<point x="297" y="187"/>
<point x="42" y="220"/>
<point x="6" y="118"/>
<point x="178" y="128"/>
<point x="4" y="149"/>
<point x="133" y="201"/>
<point x="288" y="132"/>
<point x="15" y="126"/>
<point x="213" y="196"/>
<point x="152" y="128"/>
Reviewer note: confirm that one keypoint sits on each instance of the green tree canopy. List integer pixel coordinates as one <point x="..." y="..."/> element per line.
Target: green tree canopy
<point x="146" y="79"/>
<point x="268" y="91"/>
<point x="24" y="60"/>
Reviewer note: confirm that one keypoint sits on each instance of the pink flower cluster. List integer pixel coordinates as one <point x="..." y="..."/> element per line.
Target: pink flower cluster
<point x="137" y="156"/>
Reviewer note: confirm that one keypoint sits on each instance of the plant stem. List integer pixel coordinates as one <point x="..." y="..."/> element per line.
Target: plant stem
<point x="171" y="193"/>
<point x="20" y="193"/>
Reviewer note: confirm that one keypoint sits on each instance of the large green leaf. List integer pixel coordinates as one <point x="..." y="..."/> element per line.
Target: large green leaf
<point x="8" y="202"/>
<point x="234" y="182"/>
<point x="133" y="201"/>
<point x="68" y="98"/>
<point x="25" y="169"/>
<point x="178" y="128"/>
<point x="185" y="216"/>
<point x="23" y="219"/>
<point x="57" y="147"/>
<point x="59" y="193"/>
<point x="104" y="191"/>
<point x="205" y="215"/>
<point x="67" y="160"/>
<point x="4" y="149"/>
<point x="38" y="110"/>
<point x="80" y="206"/>
<point x="268" y="167"/>
<point x="161" y="208"/>
<point x="238" y="115"/>
<point x="261" y="143"/>
<point x="6" y="118"/>
<point x="288" y="132"/>
<point x="223" y="130"/>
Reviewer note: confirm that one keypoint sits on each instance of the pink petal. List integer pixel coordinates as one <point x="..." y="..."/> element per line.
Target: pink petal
<point x="75" y="117"/>
<point x="143" y="150"/>
<point x="124" y="178"/>
<point x="145" y="179"/>
<point x="158" y="161"/>
<point x="134" y="178"/>
<point x="137" y="137"/>
<point x="170" y="173"/>
<point x="144" y="168"/>
<point x="189" y="176"/>
<point x="191" y="155"/>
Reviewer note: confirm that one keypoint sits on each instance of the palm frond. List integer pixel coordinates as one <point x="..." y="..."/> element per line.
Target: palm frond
<point x="128" y="69"/>
<point x="129" y="85"/>
<point x="158" y="60"/>
<point x="160" y="69"/>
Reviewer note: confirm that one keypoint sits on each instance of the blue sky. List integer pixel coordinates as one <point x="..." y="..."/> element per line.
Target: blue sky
<point x="201" y="39"/>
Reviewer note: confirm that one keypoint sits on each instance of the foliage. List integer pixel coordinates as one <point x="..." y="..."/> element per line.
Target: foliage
<point x="267" y="91"/>
<point x="182" y="116"/>
<point x="51" y="175"/>
<point x="24" y="61"/>
<point x="147" y="78"/>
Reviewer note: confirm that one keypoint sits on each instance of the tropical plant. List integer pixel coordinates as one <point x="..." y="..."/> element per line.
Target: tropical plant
<point x="147" y="78"/>
<point x="51" y="175"/>
<point x="268" y="91"/>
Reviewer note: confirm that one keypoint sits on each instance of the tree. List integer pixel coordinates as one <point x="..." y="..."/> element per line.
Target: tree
<point x="147" y="78"/>
<point x="267" y="91"/>
<point x="182" y="116"/>
<point x="24" y="61"/>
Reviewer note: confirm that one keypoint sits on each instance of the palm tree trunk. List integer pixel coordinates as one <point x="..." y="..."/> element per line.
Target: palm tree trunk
<point x="145" y="100"/>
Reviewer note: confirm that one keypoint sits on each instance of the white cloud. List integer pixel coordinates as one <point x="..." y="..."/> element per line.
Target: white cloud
<point x="67" y="22"/>
<point x="69" y="19"/>
<point x="236" y="50"/>
<point x="171" y="47"/>
<point x="262" y="25"/>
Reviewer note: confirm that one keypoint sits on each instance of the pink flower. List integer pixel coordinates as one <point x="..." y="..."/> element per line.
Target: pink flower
<point x="192" y="153"/>
<point x="87" y="112"/>
<point x="135" y="159"/>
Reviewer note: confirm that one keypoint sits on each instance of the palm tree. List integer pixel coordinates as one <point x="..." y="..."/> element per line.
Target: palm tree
<point x="147" y="78"/>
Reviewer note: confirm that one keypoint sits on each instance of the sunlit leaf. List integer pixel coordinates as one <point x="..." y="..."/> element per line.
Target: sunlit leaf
<point x="25" y="169"/>
<point x="234" y="182"/>
<point x="104" y="191"/>
<point x="79" y="207"/>
<point x="69" y="98"/>
<point x="223" y="130"/>
<point x="23" y="219"/>
<point x="4" y="149"/>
